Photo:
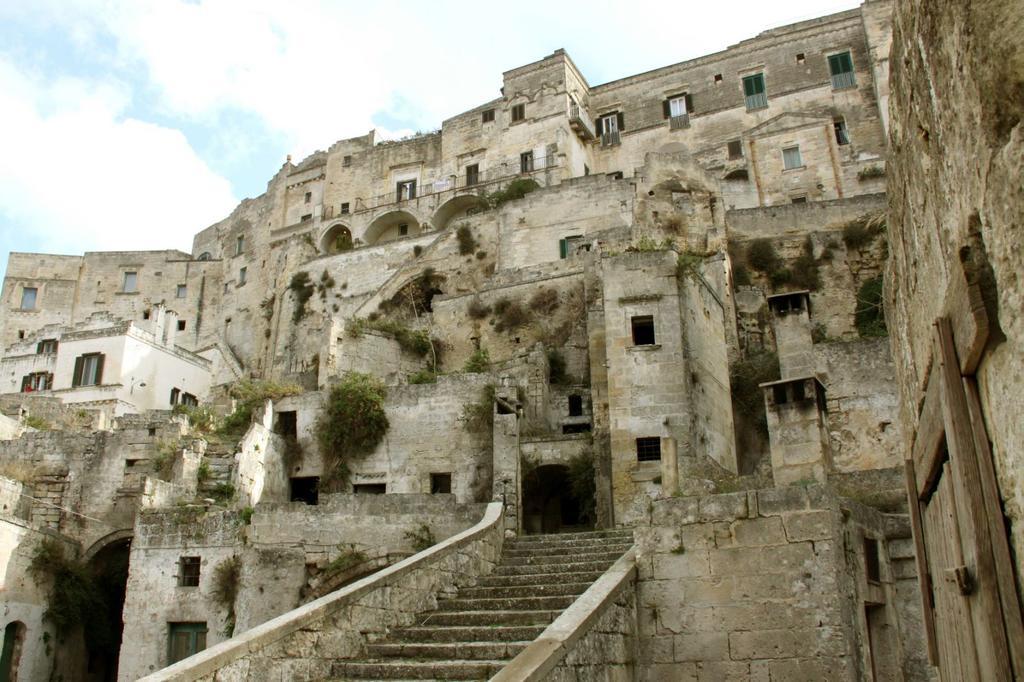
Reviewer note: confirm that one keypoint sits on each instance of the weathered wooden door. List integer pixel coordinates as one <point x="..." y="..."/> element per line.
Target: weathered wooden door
<point x="971" y="605"/>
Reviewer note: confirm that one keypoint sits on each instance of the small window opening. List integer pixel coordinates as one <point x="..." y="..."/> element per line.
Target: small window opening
<point x="346" y="161"/>
<point x="576" y="428"/>
<point x="798" y="392"/>
<point x="872" y="562"/>
<point x="181" y="325"/>
<point x="188" y="571"/>
<point x="146" y="314"/>
<point x="791" y="158"/>
<point x="526" y="162"/>
<point x="842" y="133"/>
<point x="799" y="57"/>
<point x="242" y="272"/>
<point x="28" y="298"/>
<point x="718" y="78"/>
<point x="175" y="396"/>
<point x="518" y="112"/>
<point x="305" y="489"/>
<point x="344" y="208"/>
<point x="370" y="488"/>
<point x="306" y="218"/>
<point x="152" y="431"/>
<point x="440" y="484"/>
<point x="648" y="449"/>
<point x="308" y="197"/>
<point x="21" y="334"/>
<point x="239" y="245"/>
<point x="736" y="149"/>
<point x="472" y="174"/>
<point x="779" y="395"/>
<point x="643" y="330"/>
<point x="487" y="115"/>
<point x="802" y="199"/>
<point x="575" y="405"/>
<point x="182" y="291"/>
<point x="287" y="424"/>
<point x="46" y="346"/>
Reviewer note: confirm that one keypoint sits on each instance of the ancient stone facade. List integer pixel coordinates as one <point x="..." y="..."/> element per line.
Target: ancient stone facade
<point x="650" y="304"/>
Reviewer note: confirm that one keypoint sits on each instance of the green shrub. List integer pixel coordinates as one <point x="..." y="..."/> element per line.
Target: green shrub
<point x="477" y="310"/>
<point x="861" y="232"/>
<point x="869" y="315"/>
<point x="302" y="289"/>
<point x="415" y="341"/>
<point x="478" y="362"/>
<point x="509" y="315"/>
<point x="467" y="243"/>
<point x="199" y="416"/>
<point x="75" y="598"/>
<point x="345" y="560"/>
<point x="688" y="264"/>
<point x="420" y="537"/>
<point x="424" y="376"/>
<point x="761" y="255"/>
<point x="871" y="172"/>
<point x="250" y="394"/>
<point x="804" y="273"/>
<point x="223" y="493"/>
<point x="38" y="423"/>
<point x="479" y="415"/>
<point x="745" y="377"/>
<point x="246" y="515"/>
<point x="417" y="251"/>
<point x="517" y="189"/>
<point x="227" y="578"/>
<point x="203" y="474"/>
<point x="351" y="424"/>
<point x="544" y="301"/>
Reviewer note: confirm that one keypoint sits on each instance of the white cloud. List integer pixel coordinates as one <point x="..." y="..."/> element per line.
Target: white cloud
<point x="79" y="175"/>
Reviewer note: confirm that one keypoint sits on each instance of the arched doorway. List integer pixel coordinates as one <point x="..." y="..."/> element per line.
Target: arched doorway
<point x="14" y="640"/>
<point x="456" y="207"/>
<point x="109" y="568"/>
<point x="390" y="226"/>
<point x="549" y="505"/>
<point x="337" y="239"/>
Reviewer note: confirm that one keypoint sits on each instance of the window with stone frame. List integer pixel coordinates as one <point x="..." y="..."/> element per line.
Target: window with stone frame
<point x="643" y="330"/>
<point x="188" y="571"/>
<point x="791" y="158"/>
<point x="648" y="449"/>
<point x="518" y="112"/>
<point x="28" y="298"/>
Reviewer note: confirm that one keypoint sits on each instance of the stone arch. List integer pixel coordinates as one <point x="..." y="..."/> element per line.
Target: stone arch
<point x="387" y="227"/>
<point x="454" y="208"/>
<point x="116" y="537"/>
<point x="108" y="560"/>
<point x="10" y="654"/>
<point x="337" y="238"/>
<point x="205" y="255"/>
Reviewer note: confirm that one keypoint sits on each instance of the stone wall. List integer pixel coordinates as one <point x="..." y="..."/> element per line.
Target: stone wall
<point x="768" y="585"/>
<point x="956" y="206"/>
<point x="305" y="643"/>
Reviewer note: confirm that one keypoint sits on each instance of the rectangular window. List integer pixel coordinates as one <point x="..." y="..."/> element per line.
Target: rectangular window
<point x="185" y="639"/>
<point x="305" y="489"/>
<point x="405" y="189"/>
<point x="677" y="110"/>
<point x="575" y="406"/>
<point x="181" y="325"/>
<point x="643" y="330"/>
<point x="344" y="208"/>
<point x="840" y="66"/>
<point x="736" y="149"/>
<point x="472" y="174"/>
<point x="188" y="571"/>
<point x="648" y="449"/>
<point x="37" y="381"/>
<point x="403" y="229"/>
<point x="307" y="217"/>
<point x="608" y="128"/>
<point x="181" y="291"/>
<point x="189" y="400"/>
<point x="88" y="370"/>
<point x="526" y="162"/>
<point x="346" y="161"/>
<point x="309" y="197"/>
<point x="440" y="484"/>
<point x="799" y="200"/>
<point x="239" y="245"/>
<point x="241" y="275"/>
<point x="46" y="346"/>
<point x="842" y="134"/>
<point x="130" y="283"/>
<point x="872" y="561"/>
<point x="518" y="113"/>
<point x="28" y="298"/>
<point x="567" y="245"/>
<point x="754" y="92"/>
<point x="487" y="115"/>
<point x="175" y="395"/>
<point x="791" y="158"/>
<point x="370" y="488"/>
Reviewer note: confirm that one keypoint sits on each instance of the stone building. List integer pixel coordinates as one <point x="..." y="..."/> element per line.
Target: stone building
<point x="651" y="307"/>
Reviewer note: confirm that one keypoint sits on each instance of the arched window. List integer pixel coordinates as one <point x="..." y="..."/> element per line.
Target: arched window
<point x="205" y="255"/>
<point x="14" y="639"/>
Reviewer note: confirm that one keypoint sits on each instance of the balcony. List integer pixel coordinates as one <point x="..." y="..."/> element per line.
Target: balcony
<point x="580" y="124"/>
<point x="679" y="122"/>
<point x="610" y="139"/>
<point x="843" y="80"/>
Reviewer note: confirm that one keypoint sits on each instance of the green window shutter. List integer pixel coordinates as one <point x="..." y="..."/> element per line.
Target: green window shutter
<point x="666" y="111"/>
<point x="76" y="378"/>
<point x="689" y="103"/>
<point x="99" y="368"/>
<point x="621" y="121"/>
<point x="840" y="63"/>
<point x="563" y="248"/>
<point x="598" y="125"/>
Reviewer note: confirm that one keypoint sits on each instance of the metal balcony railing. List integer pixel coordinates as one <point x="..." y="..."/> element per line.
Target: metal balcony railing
<point x="610" y="139"/>
<point x="841" y="81"/>
<point x="580" y="123"/>
<point x="679" y="122"/>
<point x="757" y="101"/>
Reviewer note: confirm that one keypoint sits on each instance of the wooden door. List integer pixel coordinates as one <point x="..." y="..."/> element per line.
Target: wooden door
<point x="971" y="606"/>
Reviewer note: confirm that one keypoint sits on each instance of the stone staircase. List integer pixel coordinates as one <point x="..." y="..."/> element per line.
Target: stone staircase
<point x="220" y="460"/>
<point x="474" y="634"/>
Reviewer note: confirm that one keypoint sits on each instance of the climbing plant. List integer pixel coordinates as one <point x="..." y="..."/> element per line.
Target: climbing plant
<point x="352" y="423"/>
<point x="869" y="315"/>
<point x="75" y="599"/>
<point x="226" y="581"/>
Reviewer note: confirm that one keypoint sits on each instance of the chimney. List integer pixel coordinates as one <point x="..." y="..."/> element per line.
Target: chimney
<point x="170" y="329"/>
<point x="158" y="317"/>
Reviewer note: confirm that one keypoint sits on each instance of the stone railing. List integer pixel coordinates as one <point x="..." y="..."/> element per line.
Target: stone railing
<point x="594" y="639"/>
<point x="305" y="642"/>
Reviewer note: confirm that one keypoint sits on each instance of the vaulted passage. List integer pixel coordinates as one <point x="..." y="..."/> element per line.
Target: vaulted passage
<point x="549" y="505"/>
<point x="103" y="642"/>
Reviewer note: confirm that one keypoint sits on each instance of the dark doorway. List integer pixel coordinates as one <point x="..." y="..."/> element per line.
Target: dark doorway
<point x="549" y="505"/>
<point x="305" y="489"/>
<point x="103" y="638"/>
<point x="14" y="639"/>
<point x="287" y="424"/>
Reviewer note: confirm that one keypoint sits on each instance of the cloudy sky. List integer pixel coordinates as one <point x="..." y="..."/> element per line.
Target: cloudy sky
<point x="133" y="124"/>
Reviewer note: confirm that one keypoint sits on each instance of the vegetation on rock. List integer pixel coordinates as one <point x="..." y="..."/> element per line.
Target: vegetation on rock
<point x="351" y="424"/>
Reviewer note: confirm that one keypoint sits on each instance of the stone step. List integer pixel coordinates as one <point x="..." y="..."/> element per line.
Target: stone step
<point x="495" y="633"/>
<point x="520" y="580"/>
<point x="510" y="603"/>
<point x="418" y="670"/>
<point x="560" y="559"/>
<point x="558" y="550"/>
<point x="568" y="589"/>
<point x="447" y="650"/>
<point x="569" y="537"/>
<point x="549" y="569"/>
<point x="491" y="618"/>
